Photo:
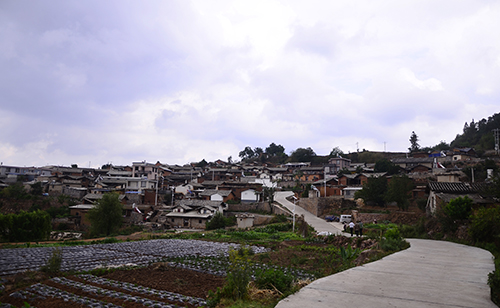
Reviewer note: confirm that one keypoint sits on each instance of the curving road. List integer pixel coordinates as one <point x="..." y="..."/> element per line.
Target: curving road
<point x="428" y="274"/>
<point x="320" y="225"/>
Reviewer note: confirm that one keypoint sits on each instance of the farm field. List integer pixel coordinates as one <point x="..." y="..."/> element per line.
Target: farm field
<point x="161" y="272"/>
<point x="158" y="285"/>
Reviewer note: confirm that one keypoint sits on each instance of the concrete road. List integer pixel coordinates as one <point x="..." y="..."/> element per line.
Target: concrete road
<point x="320" y="225"/>
<point x="428" y="274"/>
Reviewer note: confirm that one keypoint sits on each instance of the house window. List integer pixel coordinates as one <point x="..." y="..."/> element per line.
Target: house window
<point x="143" y="184"/>
<point x="172" y="220"/>
<point x="199" y="221"/>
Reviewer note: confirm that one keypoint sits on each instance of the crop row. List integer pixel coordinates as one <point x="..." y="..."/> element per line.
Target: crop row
<point x="83" y="258"/>
<point x="97" y="291"/>
<point x="130" y="287"/>
<point x="220" y="265"/>
<point x="41" y="291"/>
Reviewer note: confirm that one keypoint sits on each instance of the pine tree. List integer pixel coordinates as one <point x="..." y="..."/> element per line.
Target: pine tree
<point x="414" y="142"/>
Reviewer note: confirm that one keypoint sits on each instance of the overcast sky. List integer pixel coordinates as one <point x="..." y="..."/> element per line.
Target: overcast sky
<point x="92" y="82"/>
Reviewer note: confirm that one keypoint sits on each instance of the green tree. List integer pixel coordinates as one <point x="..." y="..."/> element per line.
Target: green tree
<point x="385" y="165"/>
<point x="336" y="152"/>
<point x="275" y="150"/>
<point x="269" y="194"/>
<point x="455" y="212"/>
<point x="15" y="191"/>
<point x="247" y="153"/>
<point x="25" y="226"/>
<point x="217" y="222"/>
<point x="374" y="190"/>
<point x="441" y="146"/>
<point x="459" y="208"/>
<point x="303" y="155"/>
<point x="258" y="152"/>
<point x="106" y="217"/>
<point x="414" y="146"/>
<point x="398" y="191"/>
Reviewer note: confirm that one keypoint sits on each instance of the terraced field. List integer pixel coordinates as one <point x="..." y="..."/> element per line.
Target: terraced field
<point x="158" y="273"/>
<point x="160" y="284"/>
<point x="83" y="258"/>
<point x="157" y="285"/>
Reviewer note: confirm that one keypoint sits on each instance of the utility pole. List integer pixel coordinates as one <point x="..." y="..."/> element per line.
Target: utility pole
<point x="496" y="133"/>
<point x="156" y="195"/>
<point x="325" y="183"/>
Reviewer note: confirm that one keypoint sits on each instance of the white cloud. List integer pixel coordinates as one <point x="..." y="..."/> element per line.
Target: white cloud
<point x="430" y="84"/>
<point x="180" y="81"/>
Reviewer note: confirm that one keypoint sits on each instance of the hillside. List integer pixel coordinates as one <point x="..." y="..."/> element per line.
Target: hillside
<point x="478" y="135"/>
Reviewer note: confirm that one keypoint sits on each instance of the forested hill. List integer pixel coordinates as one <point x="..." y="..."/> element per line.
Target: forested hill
<point x="478" y="135"/>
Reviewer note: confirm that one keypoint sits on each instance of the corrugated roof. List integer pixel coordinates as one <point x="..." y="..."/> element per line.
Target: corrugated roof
<point x="210" y="192"/>
<point x="456" y="187"/>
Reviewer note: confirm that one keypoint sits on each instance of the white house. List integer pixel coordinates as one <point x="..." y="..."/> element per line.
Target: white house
<point x="249" y="195"/>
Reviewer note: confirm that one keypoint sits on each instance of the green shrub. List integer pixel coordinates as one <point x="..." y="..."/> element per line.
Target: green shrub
<point x="275" y="228"/>
<point x="279" y="218"/>
<point x="58" y="212"/>
<point x="239" y="275"/>
<point x="484" y="227"/>
<point x="217" y="222"/>
<point x="494" y="283"/>
<point x="348" y="253"/>
<point x="393" y="240"/>
<point x="416" y="231"/>
<point x="454" y="212"/>
<point x="272" y="278"/>
<point x="53" y="265"/>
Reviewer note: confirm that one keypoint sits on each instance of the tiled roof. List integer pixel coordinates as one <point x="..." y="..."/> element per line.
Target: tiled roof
<point x="476" y="198"/>
<point x="198" y="202"/>
<point x="210" y="192"/>
<point x="413" y="160"/>
<point x="456" y="187"/>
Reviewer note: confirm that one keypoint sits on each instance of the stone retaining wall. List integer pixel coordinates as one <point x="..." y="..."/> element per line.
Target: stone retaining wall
<point x="253" y="206"/>
<point x="323" y="206"/>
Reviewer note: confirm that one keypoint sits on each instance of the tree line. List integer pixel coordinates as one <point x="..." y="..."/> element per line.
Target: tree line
<point x="275" y="153"/>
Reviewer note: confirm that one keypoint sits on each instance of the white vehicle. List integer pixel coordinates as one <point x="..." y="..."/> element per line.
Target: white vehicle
<point x="345" y="219"/>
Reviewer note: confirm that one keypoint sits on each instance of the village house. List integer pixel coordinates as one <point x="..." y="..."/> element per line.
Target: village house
<point x="410" y="162"/>
<point x="217" y="195"/>
<point x="145" y="170"/>
<point x="252" y="190"/>
<point x="440" y="193"/>
<point x="331" y="185"/>
<point x="310" y="174"/>
<point x="335" y="164"/>
<point x="245" y="220"/>
<point x="193" y="213"/>
<point x="461" y="154"/>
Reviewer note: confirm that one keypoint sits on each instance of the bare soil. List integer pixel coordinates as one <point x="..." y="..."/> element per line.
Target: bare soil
<point x="157" y="276"/>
